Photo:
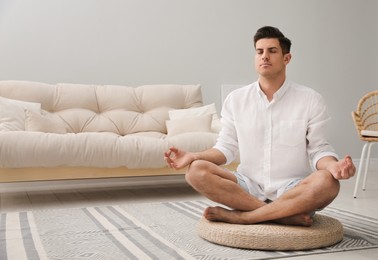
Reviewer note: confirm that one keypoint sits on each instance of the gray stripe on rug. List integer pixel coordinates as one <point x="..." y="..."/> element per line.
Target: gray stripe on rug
<point x="182" y="210"/>
<point x="3" y="241"/>
<point x="170" y="251"/>
<point x="195" y="207"/>
<point x="110" y="236"/>
<point x="30" y="249"/>
<point x="125" y="233"/>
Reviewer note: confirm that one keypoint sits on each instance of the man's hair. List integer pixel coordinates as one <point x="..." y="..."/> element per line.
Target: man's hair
<point x="273" y="32"/>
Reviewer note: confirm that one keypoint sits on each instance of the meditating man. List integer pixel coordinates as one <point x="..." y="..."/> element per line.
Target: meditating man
<point x="278" y="129"/>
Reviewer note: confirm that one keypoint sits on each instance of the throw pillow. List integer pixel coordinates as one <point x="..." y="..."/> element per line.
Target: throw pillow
<point x="198" y="111"/>
<point x="189" y="124"/>
<point x="370" y="133"/>
<point x="44" y="122"/>
<point x="12" y="115"/>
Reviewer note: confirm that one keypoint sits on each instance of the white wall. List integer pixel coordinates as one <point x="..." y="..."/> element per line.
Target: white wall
<point x="135" y="42"/>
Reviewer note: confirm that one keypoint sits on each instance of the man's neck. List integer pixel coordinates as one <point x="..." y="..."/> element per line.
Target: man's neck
<point x="271" y="85"/>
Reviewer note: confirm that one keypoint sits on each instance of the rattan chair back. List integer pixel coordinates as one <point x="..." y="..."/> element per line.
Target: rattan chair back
<point x="366" y="116"/>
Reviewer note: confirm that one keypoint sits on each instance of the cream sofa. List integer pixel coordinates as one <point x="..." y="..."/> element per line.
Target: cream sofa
<point x="71" y="131"/>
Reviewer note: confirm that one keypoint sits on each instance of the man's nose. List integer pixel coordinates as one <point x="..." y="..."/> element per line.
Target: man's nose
<point x="265" y="57"/>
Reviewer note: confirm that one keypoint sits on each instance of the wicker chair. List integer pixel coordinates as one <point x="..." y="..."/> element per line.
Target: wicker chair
<point x="366" y="122"/>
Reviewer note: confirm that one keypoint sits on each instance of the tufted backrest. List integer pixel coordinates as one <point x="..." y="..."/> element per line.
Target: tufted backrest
<point x="106" y="108"/>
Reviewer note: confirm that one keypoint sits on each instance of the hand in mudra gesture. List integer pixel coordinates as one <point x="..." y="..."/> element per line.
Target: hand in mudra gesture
<point x="178" y="159"/>
<point x="343" y="169"/>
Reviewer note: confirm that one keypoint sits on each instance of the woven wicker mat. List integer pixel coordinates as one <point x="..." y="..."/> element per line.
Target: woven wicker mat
<point x="325" y="231"/>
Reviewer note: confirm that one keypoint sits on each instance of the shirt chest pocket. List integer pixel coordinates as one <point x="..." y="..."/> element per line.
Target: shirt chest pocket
<point x="292" y="132"/>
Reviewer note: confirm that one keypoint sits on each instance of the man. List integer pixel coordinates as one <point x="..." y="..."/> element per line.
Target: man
<point x="279" y="130"/>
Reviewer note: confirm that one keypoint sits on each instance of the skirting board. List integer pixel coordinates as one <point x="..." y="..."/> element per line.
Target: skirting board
<point x="373" y="164"/>
<point x="125" y="182"/>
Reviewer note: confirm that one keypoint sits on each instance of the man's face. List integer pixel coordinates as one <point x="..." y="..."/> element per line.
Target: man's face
<point x="269" y="59"/>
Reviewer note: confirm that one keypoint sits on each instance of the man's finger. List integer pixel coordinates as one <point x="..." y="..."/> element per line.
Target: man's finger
<point x="173" y="149"/>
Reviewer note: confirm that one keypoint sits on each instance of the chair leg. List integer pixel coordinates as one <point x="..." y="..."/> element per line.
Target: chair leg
<point x="367" y="166"/>
<point x="359" y="169"/>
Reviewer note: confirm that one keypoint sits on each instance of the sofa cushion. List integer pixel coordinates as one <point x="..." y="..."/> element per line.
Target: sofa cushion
<point x="12" y="115"/>
<point x="189" y="124"/>
<point x="199" y="111"/>
<point x="193" y="141"/>
<point x="140" y="150"/>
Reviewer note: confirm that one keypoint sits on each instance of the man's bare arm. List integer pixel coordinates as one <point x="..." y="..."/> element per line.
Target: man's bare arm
<point x="178" y="159"/>
<point x="212" y="155"/>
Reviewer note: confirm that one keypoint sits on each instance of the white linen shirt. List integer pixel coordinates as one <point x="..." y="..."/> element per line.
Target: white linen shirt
<point x="276" y="141"/>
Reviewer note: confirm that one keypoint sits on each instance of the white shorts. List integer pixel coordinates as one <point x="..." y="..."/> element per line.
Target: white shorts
<point x="257" y="191"/>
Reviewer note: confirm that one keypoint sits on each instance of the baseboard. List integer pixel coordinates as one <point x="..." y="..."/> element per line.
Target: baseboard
<point x="373" y="163"/>
<point x="127" y="182"/>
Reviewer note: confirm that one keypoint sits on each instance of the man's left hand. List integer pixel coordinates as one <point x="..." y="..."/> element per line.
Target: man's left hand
<point x="343" y="169"/>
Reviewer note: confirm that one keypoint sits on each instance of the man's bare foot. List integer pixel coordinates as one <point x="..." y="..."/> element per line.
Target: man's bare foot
<point x="242" y="217"/>
<point x="224" y="215"/>
<point x="297" y="220"/>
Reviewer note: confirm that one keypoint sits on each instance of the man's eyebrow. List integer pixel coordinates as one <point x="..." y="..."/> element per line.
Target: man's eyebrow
<point x="270" y="48"/>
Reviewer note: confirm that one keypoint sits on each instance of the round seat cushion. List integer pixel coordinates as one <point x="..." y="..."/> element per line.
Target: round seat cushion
<point x="325" y="231"/>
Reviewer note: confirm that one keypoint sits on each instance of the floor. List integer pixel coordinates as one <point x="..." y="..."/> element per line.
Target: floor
<point x="58" y="194"/>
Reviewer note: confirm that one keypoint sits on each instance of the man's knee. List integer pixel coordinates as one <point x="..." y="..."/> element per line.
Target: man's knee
<point x="325" y="183"/>
<point x="330" y="183"/>
<point x="197" y="172"/>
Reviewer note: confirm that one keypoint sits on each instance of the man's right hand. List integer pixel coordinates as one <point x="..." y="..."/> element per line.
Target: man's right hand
<point x="178" y="159"/>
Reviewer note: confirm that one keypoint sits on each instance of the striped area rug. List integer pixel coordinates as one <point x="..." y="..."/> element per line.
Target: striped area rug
<point x="144" y="231"/>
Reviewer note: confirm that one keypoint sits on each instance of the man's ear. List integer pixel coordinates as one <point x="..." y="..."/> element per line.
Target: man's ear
<point x="287" y="58"/>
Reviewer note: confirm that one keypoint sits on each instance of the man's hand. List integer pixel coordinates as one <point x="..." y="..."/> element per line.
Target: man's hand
<point x="343" y="169"/>
<point x="178" y="159"/>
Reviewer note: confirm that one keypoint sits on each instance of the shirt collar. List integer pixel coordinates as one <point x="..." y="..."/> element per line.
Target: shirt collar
<point x="281" y="92"/>
<point x="276" y="96"/>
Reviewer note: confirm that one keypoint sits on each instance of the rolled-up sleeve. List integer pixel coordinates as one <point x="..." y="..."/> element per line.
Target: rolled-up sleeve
<point x="318" y="132"/>
<point x="227" y="142"/>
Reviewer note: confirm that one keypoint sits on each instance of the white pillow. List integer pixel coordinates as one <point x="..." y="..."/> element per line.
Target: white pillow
<point x="198" y="111"/>
<point x="12" y="115"/>
<point x="189" y="124"/>
<point x="44" y="122"/>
